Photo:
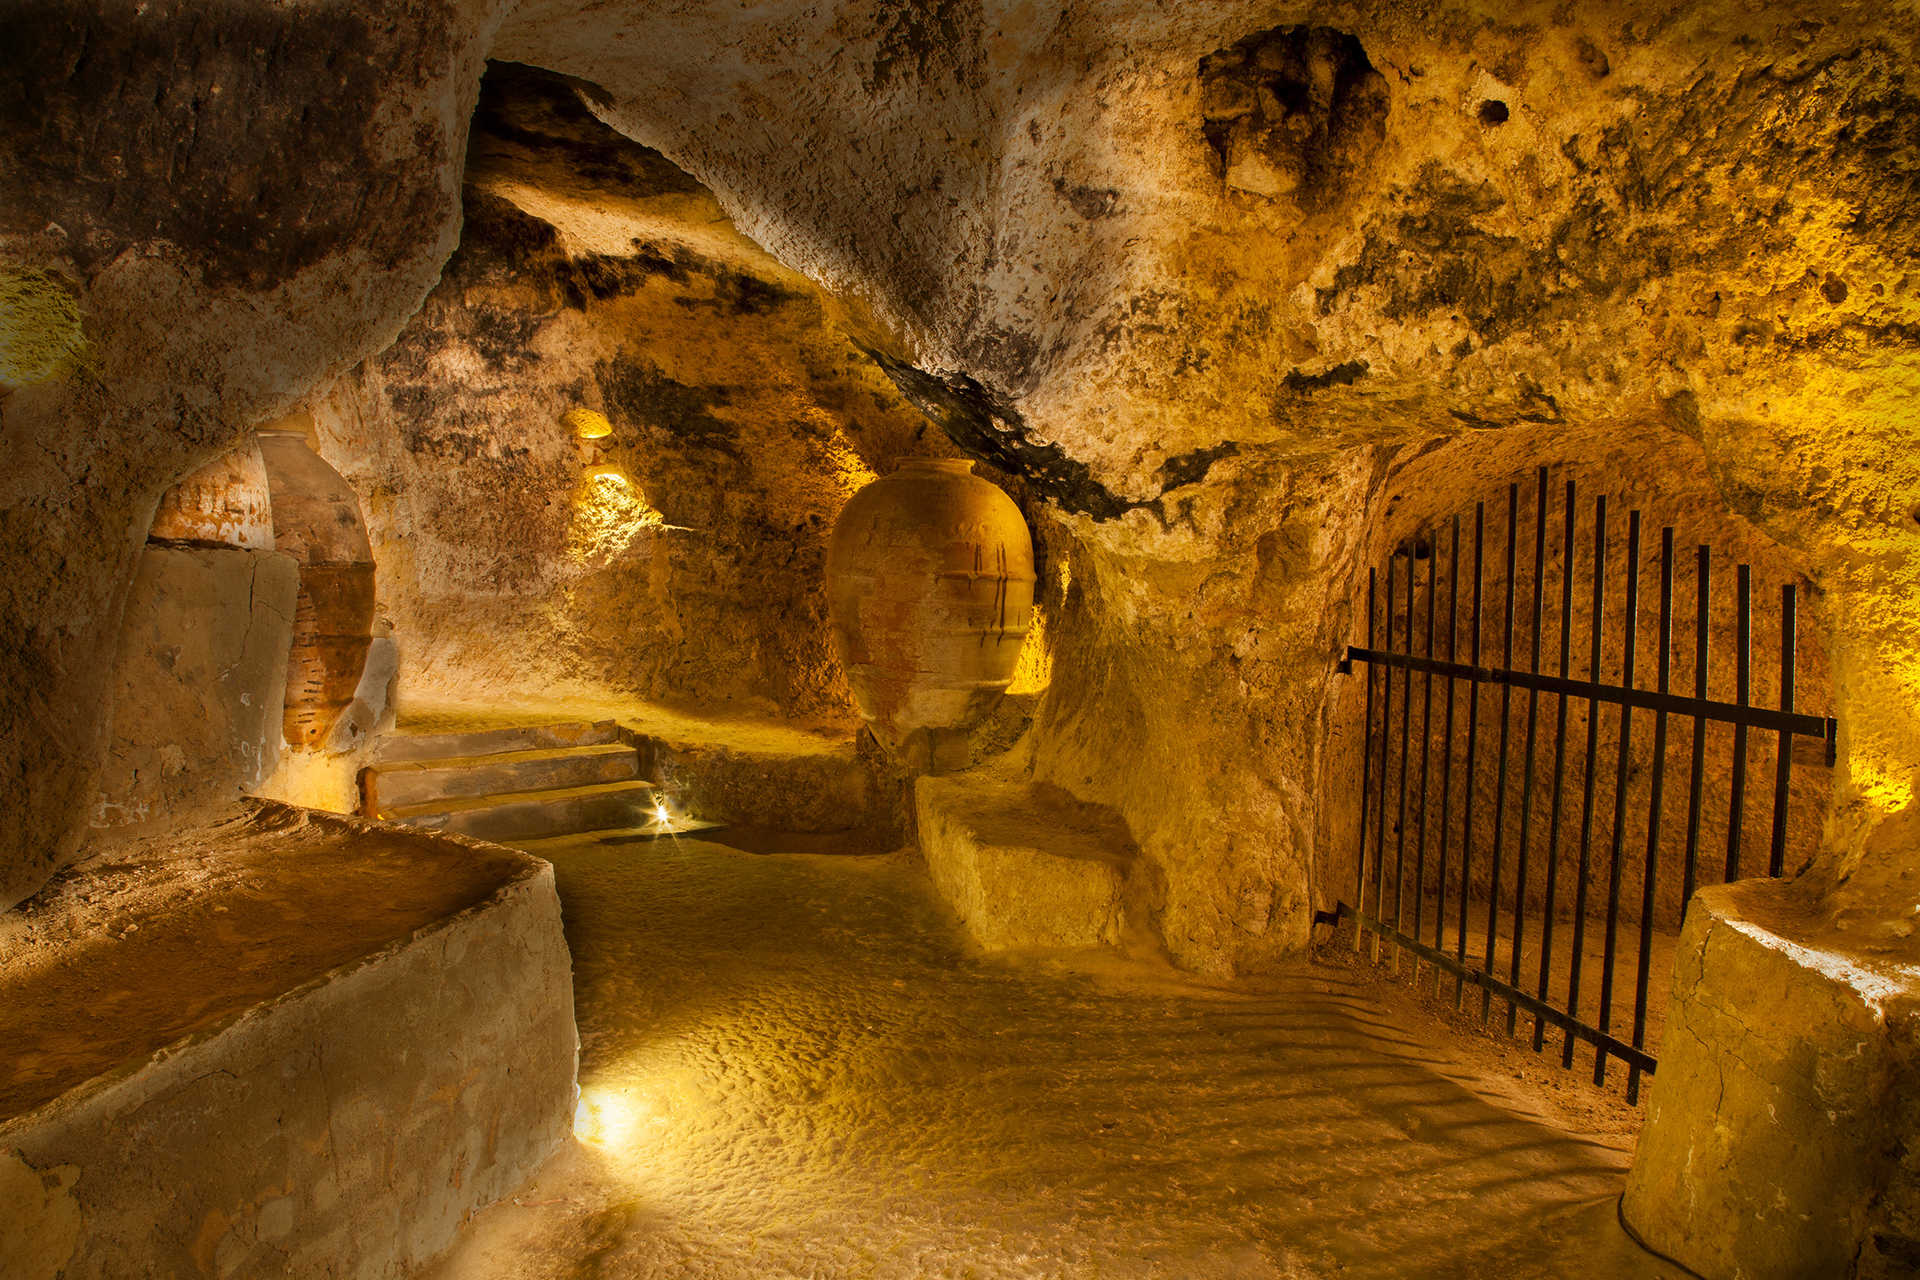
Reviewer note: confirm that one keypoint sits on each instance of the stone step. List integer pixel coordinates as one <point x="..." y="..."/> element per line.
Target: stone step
<point x="523" y="815"/>
<point x="403" y="747"/>
<point x="385" y="787"/>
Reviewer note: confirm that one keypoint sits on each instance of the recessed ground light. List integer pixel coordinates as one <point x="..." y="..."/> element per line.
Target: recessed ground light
<point x="1493" y="111"/>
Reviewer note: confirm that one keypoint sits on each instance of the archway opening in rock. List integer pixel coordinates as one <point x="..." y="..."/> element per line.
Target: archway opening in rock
<point x="599" y="468"/>
<point x="1484" y="781"/>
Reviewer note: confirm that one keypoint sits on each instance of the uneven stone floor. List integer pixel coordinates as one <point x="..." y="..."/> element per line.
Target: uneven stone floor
<point x="791" y="1066"/>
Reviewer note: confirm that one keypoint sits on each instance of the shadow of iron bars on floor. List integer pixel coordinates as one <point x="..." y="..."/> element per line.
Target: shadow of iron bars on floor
<point x="1579" y="844"/>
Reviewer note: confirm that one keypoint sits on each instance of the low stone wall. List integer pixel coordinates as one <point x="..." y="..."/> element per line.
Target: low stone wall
<point x="345" y="1127"/>
<point x="827" y="788"/>
<point x="1780" y="1121"/>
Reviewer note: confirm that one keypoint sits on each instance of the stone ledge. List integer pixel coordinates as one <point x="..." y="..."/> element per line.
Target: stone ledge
<point x="1775" y="1120"/>
<point x="819" y="785"/>
<point x="1026" y="866"/>
<point x="344" y="1123"/>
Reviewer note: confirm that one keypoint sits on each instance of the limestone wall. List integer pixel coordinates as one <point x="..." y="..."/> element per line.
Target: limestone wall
<point x="1106" y="274"/>
<point x="200" y="680"/>
<point x="1185" y="313"/>
<point x="232" y="211"/>
<point x="677" y="557"/>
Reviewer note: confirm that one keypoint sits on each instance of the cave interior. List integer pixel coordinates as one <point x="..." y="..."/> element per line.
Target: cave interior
<point x="1050" y="638"/>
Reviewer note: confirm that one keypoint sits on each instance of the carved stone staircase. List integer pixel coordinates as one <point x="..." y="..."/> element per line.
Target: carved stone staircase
<point x="512" y="785"/>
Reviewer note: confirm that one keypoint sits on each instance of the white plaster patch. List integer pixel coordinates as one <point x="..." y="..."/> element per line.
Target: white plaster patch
<point x="1874" y="987"/>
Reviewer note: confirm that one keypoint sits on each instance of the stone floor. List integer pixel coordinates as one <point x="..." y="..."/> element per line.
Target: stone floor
<point x="792" y="1066"/>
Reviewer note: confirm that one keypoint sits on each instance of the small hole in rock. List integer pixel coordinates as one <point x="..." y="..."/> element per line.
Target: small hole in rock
<point x="1493" y="111"/>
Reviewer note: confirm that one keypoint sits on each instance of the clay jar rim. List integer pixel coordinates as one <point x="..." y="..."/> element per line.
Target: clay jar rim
<point x="942" y="466"/>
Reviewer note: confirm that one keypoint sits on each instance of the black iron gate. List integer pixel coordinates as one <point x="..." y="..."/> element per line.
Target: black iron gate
<point x="1427" y="894"/>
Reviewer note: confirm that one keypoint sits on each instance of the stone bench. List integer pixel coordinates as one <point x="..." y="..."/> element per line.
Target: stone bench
<point x="1027" y="867"/>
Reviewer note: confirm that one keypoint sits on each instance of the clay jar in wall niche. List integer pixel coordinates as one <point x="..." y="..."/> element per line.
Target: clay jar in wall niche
<point x="930" y="588"/>
<point x="316" y="520"/>
<point x="226" y="503"/>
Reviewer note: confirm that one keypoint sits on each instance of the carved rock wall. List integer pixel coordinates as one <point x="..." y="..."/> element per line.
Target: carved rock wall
<point x="1168" y="266"/>
<point x="677" y="557"/>
<point x="233" y="206"/>
<point x="1111" y="278"/>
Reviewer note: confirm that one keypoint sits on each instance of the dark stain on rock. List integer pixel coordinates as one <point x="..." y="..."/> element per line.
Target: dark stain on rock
<point x="736" y="293"/>
<point x="1091" y="203"/>
<point x="1536" y="405"/>
<point x="1010" y="356"/>
<point x="1293" y="112"/>
<point x="1592" y="58"/>
<point x="1683" y="407"/>
<point x="1192" y="468"/>
<point x="915" y="40"/>
<point x="988" y="427"/>
<point x="502" y="337"/>
<point x="246" y="135"/>
<point x="546" y="114"/>
<point x="672" y="266"/>
<point x="597" y="277"/>
<point x="1339" y="375"/>
<point x="1475" y="421"/>
<point x="635" y="391"/>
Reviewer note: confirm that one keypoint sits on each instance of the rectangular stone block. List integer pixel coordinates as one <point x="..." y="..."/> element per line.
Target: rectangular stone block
<point x="344" y="1127"/>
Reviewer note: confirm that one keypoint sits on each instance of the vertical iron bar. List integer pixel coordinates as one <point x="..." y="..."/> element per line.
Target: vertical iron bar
<point x="1473" y="733"/>
<point x="1617" y="845"/>
<point x="1696" y="777"/>
<point x="1783" y="766"/>
<point x="1386" y="747"/>
<point x="1656" y="793"/>
<point x="1366" y="766"/>
<point x="1446" y="751"/>
<point x="1426" y="747"/>
<point x="1500" y="785"/>
<point x="1533" y="724"/>
<point x="1559" y="768"/>
<point x="1743" y="694"/>
<point x="1406" y="731"/>
<point x="1586" y="795"/>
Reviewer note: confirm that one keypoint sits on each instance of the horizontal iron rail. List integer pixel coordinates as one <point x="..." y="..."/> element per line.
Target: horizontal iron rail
<point x="1532" y="1004"/>
<point x="1673" y="703"/>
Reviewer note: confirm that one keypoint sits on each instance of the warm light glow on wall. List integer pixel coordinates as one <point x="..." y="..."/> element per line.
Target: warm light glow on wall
<point x="1035" y="671"/>
<point x="586" y="424"/>
<point x="323" y="780"/>
<point x="848" y="467"/>
<point x="40" y="333"/>
<point x="609" y="515"/>
<point x="1886" y="790"/>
